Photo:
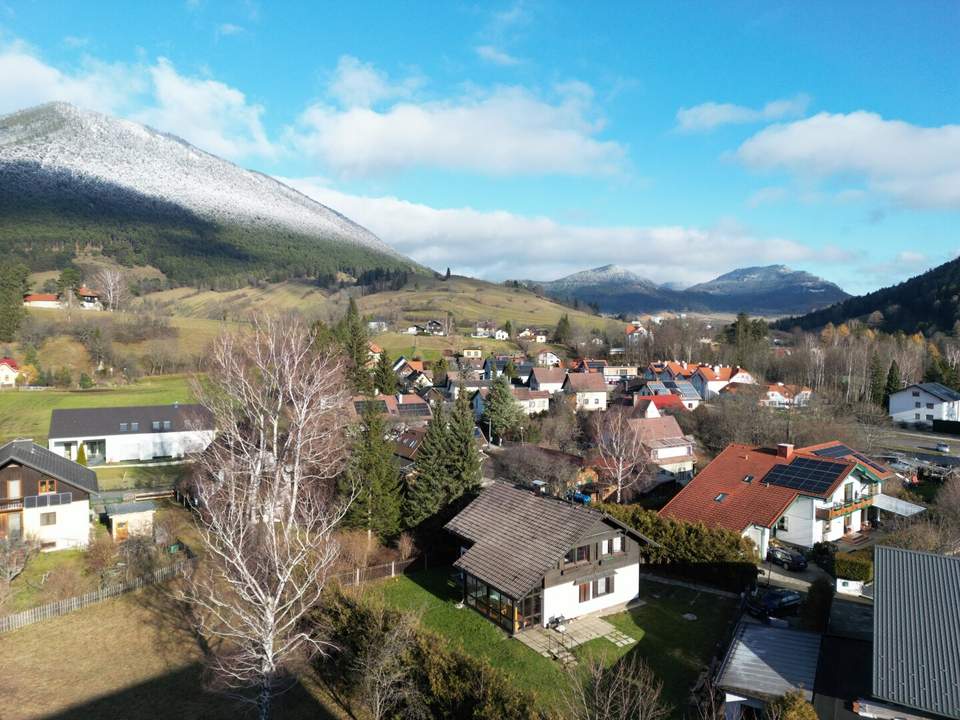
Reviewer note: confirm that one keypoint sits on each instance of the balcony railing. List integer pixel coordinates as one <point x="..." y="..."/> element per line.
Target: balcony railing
<point x="844" y="508"/>
<point x="11" y="504"/>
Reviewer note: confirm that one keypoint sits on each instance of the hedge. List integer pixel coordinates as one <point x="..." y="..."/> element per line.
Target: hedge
<point x="853" y="566"/>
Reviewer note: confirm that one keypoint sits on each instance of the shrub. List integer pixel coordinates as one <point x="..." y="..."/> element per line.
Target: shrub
<point x="406" y="546"/>
<point x="853" y="566"/>
<point x="815" y="613"/>
<point x="357" y="547"/>
<point x="791" y="706"/>
<point x="64" y="581"/>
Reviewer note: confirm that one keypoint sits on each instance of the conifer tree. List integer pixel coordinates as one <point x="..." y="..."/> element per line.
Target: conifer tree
<point x="427" y="486"/>
<point x="510" y="370"/>
<point x="564" y="333"/>
<point x="353" y="336"/>
<point x="501" y="413"/>
<point x="384" y="378"/>
<point x="13" y="285"/>
<point x="374" y="474"/>
<point x="877" y="380"/>
<point x="893" y="382"/>
<point x="464" y="458"/>
<point x="81" y="454"/>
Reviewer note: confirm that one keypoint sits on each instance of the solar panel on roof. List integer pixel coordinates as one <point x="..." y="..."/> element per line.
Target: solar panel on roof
<point x="806" y="475"/>
<point x="413" y="409"/>
<point x="841" y="451"/>
<point x="376" y="405"/>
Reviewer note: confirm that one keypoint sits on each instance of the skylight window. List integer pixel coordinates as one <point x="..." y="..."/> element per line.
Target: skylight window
<point x="720" y="497"/>
<point x="748" y="479"/>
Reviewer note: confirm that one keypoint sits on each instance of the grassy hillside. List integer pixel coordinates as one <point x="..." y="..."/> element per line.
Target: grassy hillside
<point x="27" y="414"/>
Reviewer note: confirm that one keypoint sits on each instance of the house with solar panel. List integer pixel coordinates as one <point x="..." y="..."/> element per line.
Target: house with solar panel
<point x="528" y="560"/>
<point x="923" y="403"/>
<point x="803" y="496"/>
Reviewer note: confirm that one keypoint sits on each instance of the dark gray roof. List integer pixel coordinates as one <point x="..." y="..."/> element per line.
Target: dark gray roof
<point x="916" y="630"/>
<point x="518" y="536"/>
<point x="31" y="455"/>
<point x="87" y="422"/>
<point x="939" y="391"/>
<point x="128" y="508"/>
<point x="764" y="662"/>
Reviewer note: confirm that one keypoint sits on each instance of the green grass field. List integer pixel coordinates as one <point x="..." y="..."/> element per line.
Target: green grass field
<point x="676" y="649"/>
<point x="26" y="414"/>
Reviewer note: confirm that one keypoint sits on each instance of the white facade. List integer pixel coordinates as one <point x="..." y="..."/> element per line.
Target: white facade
<point x="49" y="304"/>
<point x="134" y="446"/>
<point x="915" y="405"/>
<point x="591" y="401"/>
<point x="501" y="335"/>
<point x="710" y="389"/>
<point x="800" y="525"/>
<point x="133" y="524"/>
<point x="615" y="373"/>
<point x="564" y="599"/>
<point x="8" y="376"/>
<point x="547" y="358"/>
<point x="59" y="526"/>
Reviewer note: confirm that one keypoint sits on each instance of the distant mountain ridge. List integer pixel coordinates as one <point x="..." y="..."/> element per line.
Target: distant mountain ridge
<point x="772" y="289"/>
<point x="70" y="177"/>
<point x="928" y="303"/>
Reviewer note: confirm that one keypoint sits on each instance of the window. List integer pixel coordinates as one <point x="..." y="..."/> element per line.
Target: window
<point x="929" y="417"/>
<point x="603" y="586"/>
<point x="578" y="555"/>
<point x="47" y="519"/>
<point x="782" y="523"/>
<point x="123" y="427"/>
<point x="156" y="424"/>
<point x="596" y="401"/>
<point x="848" y="492"/>
<point x="13" y="488"/>
<point x="46" y="485"/>
<point x="166" y="424"/>
<point x="929" y="406"/>
<point x="916" y="416"/>
<point x="916" y="404"/>
<point x="134" y="427"/>
<point x="916" y="393"/>
<point x="584" y="592"/>
<point x="612" y="546"/>
<point x="720" y="497"/>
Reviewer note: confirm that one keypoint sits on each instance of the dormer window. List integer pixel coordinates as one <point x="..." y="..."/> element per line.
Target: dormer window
<point x="578" y="555"/>
<point x="123" y="427"/>
<point x="748" y="479"/>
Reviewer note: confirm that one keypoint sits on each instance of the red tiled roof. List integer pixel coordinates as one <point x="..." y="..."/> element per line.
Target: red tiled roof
<point x="662" y="401"/>
<point x="85" y="291"/>
<point x="549" y="375"/>
<point x="10" y="363"/>
<point x="41" y="297"/>
<point x="374" y="348"/>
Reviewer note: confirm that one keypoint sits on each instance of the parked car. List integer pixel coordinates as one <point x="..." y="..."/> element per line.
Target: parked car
<point x="788" y="559"/>
<point x="774" y="603"/>
<point x="943" y="447"/>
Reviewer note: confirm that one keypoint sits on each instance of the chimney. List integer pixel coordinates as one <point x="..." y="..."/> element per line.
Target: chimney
<point x="716" y="369"/>
<point x="399" y="398"/>
<point x="785" y="450"/>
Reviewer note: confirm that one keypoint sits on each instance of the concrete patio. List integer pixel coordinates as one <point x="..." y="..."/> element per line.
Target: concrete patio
<point x="553" y="644"/>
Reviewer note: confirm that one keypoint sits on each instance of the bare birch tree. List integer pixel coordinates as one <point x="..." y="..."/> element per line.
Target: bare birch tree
<point x="626" y="690"/>
<point x="112" y="285"/>
<point x="266" y="504"/>
<point x="620" y="447"/>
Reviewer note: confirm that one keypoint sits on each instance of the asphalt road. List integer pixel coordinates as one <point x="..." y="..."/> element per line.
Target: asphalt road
<point x="922" y="445"/>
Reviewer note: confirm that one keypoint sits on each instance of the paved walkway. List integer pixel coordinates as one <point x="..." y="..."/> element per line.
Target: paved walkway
<point x="553" y="644"/>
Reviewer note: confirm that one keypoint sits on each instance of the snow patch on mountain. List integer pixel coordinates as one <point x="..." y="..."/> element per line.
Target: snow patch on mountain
<point x="99" y="148"/>
<point x="604" y="275"/>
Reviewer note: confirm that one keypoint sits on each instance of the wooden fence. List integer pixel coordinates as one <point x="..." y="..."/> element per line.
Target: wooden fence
<point x="62" y="607"/>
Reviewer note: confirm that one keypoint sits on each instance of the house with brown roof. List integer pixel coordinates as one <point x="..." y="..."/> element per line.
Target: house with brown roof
<point x="547" y="379"/>
<point x="786" y="396"/>
<point x="407" y="408"/>
<point x="528" y="560"/>
<point x="532" y="402"/>
<point x="668" y="449"/>
<point x="818" y="493"/>
<point x="709" y="380"/>
<point x="589" y="389"/>
<point x="42" y="300"/>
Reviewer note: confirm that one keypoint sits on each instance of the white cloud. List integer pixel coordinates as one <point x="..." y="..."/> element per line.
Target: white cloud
<point x="918" y="166"/>
<point x="496" y="56"/>
<point x="499" y="245"/>
<point x="75" y="41"/>
<point x="767" y="196"/>
<point x="226" y="29"/>
<point x="359" y="84"/>
<point x="710" y="115"/>
<point x="507" y="130"/>
<point x="207" y="113"/>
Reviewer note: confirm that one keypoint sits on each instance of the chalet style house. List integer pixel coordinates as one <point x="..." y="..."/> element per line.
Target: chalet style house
<point x="528" y="559"/>
<point x="813" y="494"/>
<point x="44" y="496"/>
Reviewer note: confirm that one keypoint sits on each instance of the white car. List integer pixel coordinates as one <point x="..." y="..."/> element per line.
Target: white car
<point x="943" y="447"/>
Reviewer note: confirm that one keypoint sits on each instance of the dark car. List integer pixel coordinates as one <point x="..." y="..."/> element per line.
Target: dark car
<point x="789" y="559"/>
<point x="774" y="603"/>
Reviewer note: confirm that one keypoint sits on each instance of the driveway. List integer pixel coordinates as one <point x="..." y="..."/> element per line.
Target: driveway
<point x="775" y="576"/>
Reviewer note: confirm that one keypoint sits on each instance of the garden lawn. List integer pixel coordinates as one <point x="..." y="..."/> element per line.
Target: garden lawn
<point x="26" y="414"/>
<point x="676" y="649"/>
<point x="27" y="587"/>
<point x="146" y="476"/>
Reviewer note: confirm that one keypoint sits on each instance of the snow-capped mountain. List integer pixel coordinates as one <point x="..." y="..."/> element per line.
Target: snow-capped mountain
<point x="56" y="158"/>
<point x="773" y="290"/>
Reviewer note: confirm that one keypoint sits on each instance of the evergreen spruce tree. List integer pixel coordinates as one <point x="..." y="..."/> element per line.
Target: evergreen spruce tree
<point x="877" y="380"/>
<point x="384" y="378"/>
<point x="353" y="337"/>
<point x="563" y="335"/>
<point x="500" y="412"/>
<point x="374" y="474"/>
<point x="81" y="454"/>
<point x="427" y="486"/>
<point x="510" y="370"/>
<point x="13" y="285"/>
<point x="894" y="384"/>
<point x="463" y="463"/>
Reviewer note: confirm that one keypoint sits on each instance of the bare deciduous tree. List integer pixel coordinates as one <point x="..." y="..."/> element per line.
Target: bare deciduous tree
<point x="620" y="448"/>
<point x="385" y="670"/>
<point x="626" y="690"/>
<point x="14" y="556"/>
<point x="112" y="285"/>
<point x="267" y="509"/>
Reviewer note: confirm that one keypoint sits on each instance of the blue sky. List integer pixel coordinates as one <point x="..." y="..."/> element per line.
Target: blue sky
<point x="533" y="139"/>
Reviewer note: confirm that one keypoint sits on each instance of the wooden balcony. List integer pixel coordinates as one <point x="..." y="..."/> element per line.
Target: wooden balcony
<point x="7" y="504"/>
<point x="845" y="508"/>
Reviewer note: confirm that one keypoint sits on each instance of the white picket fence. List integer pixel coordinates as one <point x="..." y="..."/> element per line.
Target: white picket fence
<point x="62" y="607"/>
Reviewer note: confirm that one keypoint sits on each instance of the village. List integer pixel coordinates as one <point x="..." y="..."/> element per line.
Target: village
<point x="555" y="497"/>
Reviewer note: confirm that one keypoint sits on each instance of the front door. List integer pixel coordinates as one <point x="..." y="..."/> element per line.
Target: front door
<point x="11" y="526"/>
<point x="530" y="611"/>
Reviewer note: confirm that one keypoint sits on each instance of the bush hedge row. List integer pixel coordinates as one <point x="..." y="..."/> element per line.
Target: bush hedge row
<point x="853" y="566"/>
